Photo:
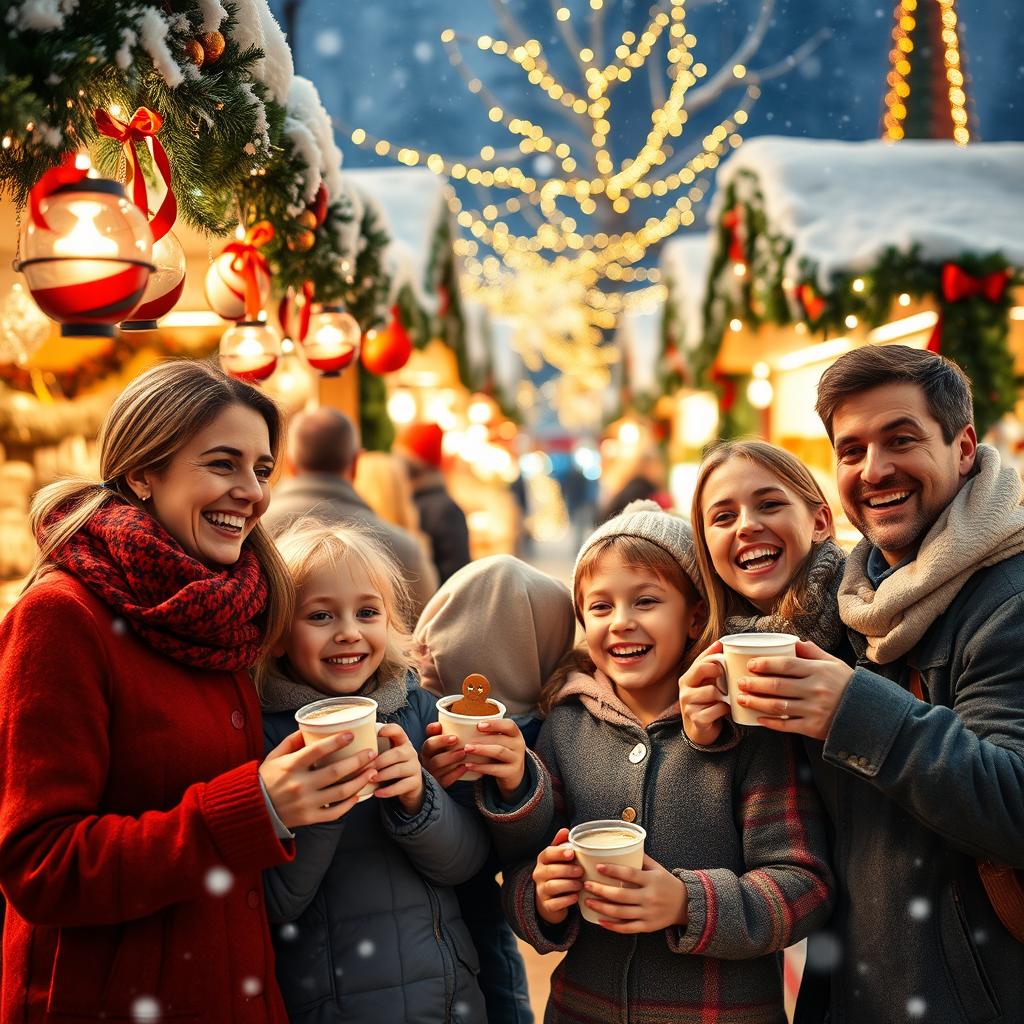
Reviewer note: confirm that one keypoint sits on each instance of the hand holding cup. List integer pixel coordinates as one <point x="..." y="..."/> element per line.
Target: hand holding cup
<point x="701" y="702"/>
<point x="557" y="879"/>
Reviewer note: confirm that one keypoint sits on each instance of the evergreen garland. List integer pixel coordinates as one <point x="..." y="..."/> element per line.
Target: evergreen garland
<point x="974" y="330"/>
<point x="218" y="123"/>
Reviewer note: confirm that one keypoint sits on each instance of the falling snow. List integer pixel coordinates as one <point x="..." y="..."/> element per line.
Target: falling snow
<point x="919" y="909"/>
<point x="219" y="881"/>
<point x="366" y="949"/>
<point x="288" y="932"/>
<point x="145" y="1009"/>
<point x="328" y="43"/>
<point x="251" y="986"/>
<point x="916" y="1007"/>
<point x="824" y="953"/>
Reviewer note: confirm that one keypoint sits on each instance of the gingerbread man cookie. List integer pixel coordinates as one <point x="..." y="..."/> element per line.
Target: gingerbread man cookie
<point x="474" y="700"/>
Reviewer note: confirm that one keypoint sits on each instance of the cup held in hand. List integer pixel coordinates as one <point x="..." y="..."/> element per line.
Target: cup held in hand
<point x="737" y="650"/>
<point x="464" y="727"/>
<point x="354" y="714"/>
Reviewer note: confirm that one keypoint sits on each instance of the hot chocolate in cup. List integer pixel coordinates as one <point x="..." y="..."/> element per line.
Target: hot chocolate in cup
<point x="609" y="841"/>
<point x="465" y="728"/>
<point x="357" y="715"/>
<point x="737" y="650"/>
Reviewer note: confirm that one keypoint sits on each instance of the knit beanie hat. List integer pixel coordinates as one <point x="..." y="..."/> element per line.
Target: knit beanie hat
<point x="423" y="440"/>
<point x="648" y="520"/>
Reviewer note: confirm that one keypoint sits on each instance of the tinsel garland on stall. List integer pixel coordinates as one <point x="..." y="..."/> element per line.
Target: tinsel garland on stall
<point x="972" y="294"/>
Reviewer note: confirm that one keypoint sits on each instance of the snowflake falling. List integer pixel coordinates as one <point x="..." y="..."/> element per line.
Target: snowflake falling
<point x="366" y="948"/>
<point x="824" y="953"/>
<point x="288" y="932"/>
<point x="328" y="43"/>
<point x="919" y="909"/>
<point x="218" y="881"/>
<point x="916" y="1007"/>
<point x="145" y="1009"/>
<point x="252" y="986"/>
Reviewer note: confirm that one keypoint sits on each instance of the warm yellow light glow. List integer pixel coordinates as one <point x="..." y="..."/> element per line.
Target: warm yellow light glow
<point x="902" y="328"/>
<point x="85" y="239"/>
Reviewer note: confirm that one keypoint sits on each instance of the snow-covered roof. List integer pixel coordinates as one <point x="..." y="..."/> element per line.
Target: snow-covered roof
<point x="844" y="203"/>
<point x="685" y="261"/>
<point x="412" y="201"/>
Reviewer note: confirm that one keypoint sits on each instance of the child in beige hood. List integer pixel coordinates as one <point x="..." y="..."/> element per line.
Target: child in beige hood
<point x="512" y="623"/>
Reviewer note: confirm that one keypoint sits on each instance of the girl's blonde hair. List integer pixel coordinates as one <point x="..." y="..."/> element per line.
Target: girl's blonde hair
<point x="156" y="415"/>
<point x="723" y="601"/>
<point x="308" y="545"/>
<point x="634" y="552"/>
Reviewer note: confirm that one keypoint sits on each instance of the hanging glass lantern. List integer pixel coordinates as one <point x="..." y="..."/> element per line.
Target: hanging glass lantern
<point x="249" y="350"/>
<point x="165" y="285"/>
<point x="88" y="257"/>
<point x="332" y="342"/>
<point x="293" y="384"/>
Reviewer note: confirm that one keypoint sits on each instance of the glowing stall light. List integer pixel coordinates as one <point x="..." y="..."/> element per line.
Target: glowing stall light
<point x="589" y="462"/>
<point x="908" y="325"/>
<point x="760" y="391"/>
<point x="482" y="409"/>
<point x="402" y="407"/>
<point x="535" y="463"/>
<point x="696" y="418"/>
<point x="629" y="434"/>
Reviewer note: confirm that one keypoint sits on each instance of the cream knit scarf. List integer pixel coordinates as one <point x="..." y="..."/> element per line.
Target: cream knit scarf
<point x="982" y="525"/>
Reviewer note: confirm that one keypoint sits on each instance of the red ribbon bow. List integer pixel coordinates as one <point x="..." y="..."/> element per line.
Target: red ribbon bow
<point x="813" y="303"/>
<point x="68" y="173"/>
<point x="144" y="124"/>
<point x="731" y="221"/>
<point x="958" y="285"/>
<point x="249" y="261"/>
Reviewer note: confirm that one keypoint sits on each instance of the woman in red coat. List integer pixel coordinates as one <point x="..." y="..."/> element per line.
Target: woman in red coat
<point x="135" y="813"/>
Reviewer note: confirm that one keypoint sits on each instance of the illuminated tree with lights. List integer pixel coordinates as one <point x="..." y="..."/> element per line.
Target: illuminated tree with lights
<point x="927" y="97"/>
<point x="569" y="246"/>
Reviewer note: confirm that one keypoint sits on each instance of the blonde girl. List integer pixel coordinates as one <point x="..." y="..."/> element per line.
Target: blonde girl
<point x="369" y="928"/>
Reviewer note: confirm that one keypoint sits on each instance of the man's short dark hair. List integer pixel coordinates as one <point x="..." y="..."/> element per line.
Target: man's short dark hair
<point x="323" y="441"/>
<point x="947" y="390"/>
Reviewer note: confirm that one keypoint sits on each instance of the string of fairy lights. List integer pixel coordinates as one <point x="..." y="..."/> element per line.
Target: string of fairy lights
<point x="602" y="267"/>
<point x="896" y="99"/>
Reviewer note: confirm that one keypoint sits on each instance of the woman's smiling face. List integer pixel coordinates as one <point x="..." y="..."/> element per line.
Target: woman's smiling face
<point x="213" y="492"/>
<point x="758" y="530"/>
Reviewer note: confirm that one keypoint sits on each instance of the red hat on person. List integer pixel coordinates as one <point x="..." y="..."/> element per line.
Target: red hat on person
<point x="423" y="440"/>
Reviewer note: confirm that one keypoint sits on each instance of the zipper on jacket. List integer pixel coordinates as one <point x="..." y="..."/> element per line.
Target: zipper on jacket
<point x="447" y="958"/>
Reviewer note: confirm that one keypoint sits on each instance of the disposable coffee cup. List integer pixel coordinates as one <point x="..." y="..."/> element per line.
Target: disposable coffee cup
<point x="465" y="728"/>
<point x="357" y="715"/>
<point x="608" y="841"/>
<point x="737" y="650"/>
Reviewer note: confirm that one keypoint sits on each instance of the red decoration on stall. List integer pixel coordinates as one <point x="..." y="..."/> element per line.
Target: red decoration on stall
<point x="320" y="204"/>
<point x="958" y="285"/>
<point x="144" y="124"/>
<point x="727" y="386"/>
<point x="305" y="307"/>
<point x="732" y="221"/>
<point x="812" y="302"/>
<point x="389" y="349"/>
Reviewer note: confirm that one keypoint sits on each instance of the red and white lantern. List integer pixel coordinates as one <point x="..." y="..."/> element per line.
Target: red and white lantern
<point x="165" y="285"/>
<point x="250" y="350"/>
<point x="226" y="283"/>
<point x="332" y="342"/>
<point x="86" y="255"/>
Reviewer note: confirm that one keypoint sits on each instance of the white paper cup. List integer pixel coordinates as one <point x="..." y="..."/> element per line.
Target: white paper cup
<point x="610" y="841"/>
<point x="357" y="715"/>
<point x="465" y="728"/>
<point x="737" y="650"/>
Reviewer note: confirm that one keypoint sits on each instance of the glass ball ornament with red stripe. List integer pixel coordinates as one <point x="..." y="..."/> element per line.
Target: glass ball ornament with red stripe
<point x="332" y="341"/>
<point x="165" y="285"/>
<point x="88" y="265"/>
<point x="249" y="350"/>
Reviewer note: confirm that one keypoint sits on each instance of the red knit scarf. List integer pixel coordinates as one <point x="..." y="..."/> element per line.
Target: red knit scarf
<point x="195" y="615"/>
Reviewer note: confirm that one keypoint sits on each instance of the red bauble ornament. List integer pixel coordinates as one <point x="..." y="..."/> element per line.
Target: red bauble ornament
<point x="387" y="350"/>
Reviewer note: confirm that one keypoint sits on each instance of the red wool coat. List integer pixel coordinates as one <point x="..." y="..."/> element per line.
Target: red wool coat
<point x="132" y="826"/>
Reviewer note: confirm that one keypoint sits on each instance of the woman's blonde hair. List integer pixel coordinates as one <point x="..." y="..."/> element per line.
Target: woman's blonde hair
<point x="723" y="601"/>
<point x="307" y="546"/>
<point x="156" y="415"/>
<point x="635" y="552"/>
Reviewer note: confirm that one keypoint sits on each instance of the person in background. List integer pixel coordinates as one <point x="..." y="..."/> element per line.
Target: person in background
<point x="370" y="930"/>
<point x="382" y="481"/>
<point x="323" y="449"/>
<point x="136" y="802"/>
<point x="513" y="624"/>
<point x="441" y="519"/>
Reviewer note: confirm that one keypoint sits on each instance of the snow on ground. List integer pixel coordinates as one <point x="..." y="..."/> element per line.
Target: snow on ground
<point x="844" y="203"/>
